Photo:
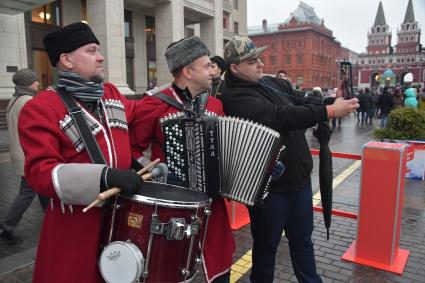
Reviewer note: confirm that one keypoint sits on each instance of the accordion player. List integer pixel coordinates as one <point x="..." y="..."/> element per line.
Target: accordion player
<point x="221" y="156"/>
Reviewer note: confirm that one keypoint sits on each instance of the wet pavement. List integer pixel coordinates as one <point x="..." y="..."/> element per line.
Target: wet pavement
<point x="16" y="262"/>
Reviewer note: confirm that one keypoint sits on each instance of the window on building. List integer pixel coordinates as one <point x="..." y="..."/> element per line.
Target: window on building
<point x="150" y="50"/>
<point x="84" y="11"/>
<point x="378" y="29"/>
<point x="236" y="4"/>
<point x="299" y="59"/>
<point x="236" y="27"/>
<point x="383" y="29"/>
<point x="42" y="68"/>
<point x="300" y="80"/>
<point x="129" y="68"/>
<point x="274" y="45"/>
<point x="288" y="59"/>
<point x="47" y="14"/>
<point x="128" y="25"/>
<point x="225" y="20"/>
<point x="189" y="32"/>
<point x="288" y="44"/>
<point x="273" y="60"/>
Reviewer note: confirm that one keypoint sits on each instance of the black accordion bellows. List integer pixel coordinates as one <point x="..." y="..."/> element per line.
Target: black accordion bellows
<point x="223" y="156"/>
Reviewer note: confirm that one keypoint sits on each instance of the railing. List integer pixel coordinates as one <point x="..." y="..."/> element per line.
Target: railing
<point x="337" y="212"/>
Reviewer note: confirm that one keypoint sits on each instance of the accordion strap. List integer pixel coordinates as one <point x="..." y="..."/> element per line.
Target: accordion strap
<point x="87" y="137"/>
<point x="173" y="102"/>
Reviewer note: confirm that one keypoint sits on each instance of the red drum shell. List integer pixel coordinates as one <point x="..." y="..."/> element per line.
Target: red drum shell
<point x="133" y="219"/>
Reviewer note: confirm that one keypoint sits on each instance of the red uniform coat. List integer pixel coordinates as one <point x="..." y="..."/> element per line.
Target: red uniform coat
<point x="219" y="244"/>
<point x="69" y="242"/>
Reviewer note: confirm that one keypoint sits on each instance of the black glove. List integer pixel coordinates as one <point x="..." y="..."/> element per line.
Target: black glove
<point x="127" y="180"/>
<point x="277" y="170"/>
<point x="135" y="165"/>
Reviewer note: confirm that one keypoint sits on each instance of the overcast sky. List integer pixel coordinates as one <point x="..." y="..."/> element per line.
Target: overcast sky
<point x="350" y="20"/>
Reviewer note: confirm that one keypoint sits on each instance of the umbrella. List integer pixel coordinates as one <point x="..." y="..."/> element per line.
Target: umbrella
<point x="323" y="134"/>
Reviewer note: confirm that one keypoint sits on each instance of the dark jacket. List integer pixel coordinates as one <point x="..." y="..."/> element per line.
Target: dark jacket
<point x="385" y="102"/>
<point x="365" y="101"/>
<point x="274" y="107"/>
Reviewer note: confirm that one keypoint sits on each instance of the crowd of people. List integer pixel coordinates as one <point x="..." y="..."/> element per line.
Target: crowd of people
<point x="373" y="104"/>
<point x="81" y="137"/>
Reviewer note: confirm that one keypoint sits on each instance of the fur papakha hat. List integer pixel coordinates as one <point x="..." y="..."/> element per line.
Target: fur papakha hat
<point x="68" y="39"/>
<point x="184" y="52"/>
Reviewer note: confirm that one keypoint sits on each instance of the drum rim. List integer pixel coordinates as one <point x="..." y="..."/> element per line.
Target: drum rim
<point x="172" y="203"/>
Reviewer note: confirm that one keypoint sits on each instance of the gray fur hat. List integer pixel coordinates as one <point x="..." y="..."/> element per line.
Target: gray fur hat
<point x="184" y="52"/>
<point x="24" y="77"/>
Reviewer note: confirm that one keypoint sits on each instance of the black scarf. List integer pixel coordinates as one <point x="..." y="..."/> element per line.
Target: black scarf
<point x="80" y="88"/>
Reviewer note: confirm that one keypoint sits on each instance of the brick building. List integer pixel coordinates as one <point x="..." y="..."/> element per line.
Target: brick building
<point x="303" y="46"/>
<point x="382" y="61"/>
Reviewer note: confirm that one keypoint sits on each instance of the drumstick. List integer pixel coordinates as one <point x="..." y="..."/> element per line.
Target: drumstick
<point x="113" y="191"/>
<point x="149" y="166"/>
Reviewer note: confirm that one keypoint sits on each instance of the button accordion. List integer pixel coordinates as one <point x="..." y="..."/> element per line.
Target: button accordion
<point x="223" y="156"/>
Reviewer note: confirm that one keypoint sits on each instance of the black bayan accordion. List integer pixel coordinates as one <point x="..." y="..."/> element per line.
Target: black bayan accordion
<point x="223" y="156"/>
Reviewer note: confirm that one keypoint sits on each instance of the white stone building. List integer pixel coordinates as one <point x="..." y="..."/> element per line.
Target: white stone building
<point x="133" y="35"/>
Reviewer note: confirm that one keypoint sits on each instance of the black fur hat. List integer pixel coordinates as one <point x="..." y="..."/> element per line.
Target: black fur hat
<point x="68" y="39"/>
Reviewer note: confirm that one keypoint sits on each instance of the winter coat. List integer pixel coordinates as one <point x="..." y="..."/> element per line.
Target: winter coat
<point x="385" y="102"/>
<point x="410" y="101"/>
<point x="274" y="106"/>
<point x="20" y="98"/>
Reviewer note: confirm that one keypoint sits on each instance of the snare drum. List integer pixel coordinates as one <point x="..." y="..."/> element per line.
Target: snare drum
<point x="154" y="236"/>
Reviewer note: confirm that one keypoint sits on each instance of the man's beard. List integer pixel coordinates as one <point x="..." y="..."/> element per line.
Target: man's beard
<point x="97" y="78"/>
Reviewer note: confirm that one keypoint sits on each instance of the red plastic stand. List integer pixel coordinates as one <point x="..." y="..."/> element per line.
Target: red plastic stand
<point x="238" y="214"/>
<point x="380" y="208"/>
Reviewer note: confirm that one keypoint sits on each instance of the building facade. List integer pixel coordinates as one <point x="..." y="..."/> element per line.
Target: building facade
<point x="133" y="35"/>
<point x="302" y="46"/>
<point x="382" y="62"/>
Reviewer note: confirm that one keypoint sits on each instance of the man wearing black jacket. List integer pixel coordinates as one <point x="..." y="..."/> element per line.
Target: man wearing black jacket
<point x="288" y="207"/>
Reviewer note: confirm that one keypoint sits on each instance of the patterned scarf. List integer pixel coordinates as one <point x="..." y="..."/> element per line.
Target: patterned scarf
<point x="80" y="88"/>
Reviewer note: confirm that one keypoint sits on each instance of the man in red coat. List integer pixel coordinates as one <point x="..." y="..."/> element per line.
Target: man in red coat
<point x="190" y="65"/>
<point x="57" y="164"/>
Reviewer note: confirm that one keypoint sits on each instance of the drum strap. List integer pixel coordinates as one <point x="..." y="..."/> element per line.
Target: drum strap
<point x="87" y="137"/>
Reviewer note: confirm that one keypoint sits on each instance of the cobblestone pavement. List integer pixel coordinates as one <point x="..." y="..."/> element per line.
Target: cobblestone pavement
<point x="16" y="262"/>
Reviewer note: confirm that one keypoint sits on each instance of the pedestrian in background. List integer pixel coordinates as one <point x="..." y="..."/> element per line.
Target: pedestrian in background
<point x="386" y="104"/>
<point x="26" y="86"/>
<point x="411" y="100"/>
<point x="366" y="103"/>
<point x="218" y="67"/>
<point x="398" y="98"/>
